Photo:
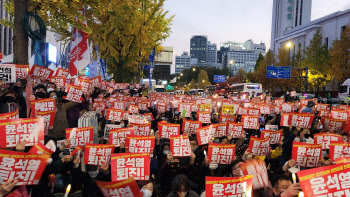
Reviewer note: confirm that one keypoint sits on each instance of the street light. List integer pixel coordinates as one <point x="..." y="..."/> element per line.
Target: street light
<point x="289" y="44"/>
<point x="194" y="69"/>
<point x="203" y="81"/>
<point x="231" y="61"/>
<point x="181" y="74"/>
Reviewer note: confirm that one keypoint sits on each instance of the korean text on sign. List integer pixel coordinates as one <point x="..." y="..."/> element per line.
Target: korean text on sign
<point x="306" y="155"/>
<point x="333" y="180"/>
<point x="326" y="138"/>
<point x="126" y="165"/>
<point x="228" y="186"/>
<point x="74" y="93"/>
<point x="80" y="136"/>
<point x="204" y="117"/>
<point x="180" y="146"/>
<point x="140" y="144"/>
<point x="142" y="129"/>
<point x="123" y="188"/>
<point x="8" y="73"/>
<point x="274" y="136"/>
<point x="205" y="134"/>
<point x="97" y="154"/>
<point x="24" y="167"/>
<point x="235" y="129"/>
<point x="117" y="136"/>
<point x="339" y="150"/>
<point x="257" y="168"/>
<point x="30" y="130"/>
<point x="167" y="130"/>
<point x="190" y="126"/>
<point x="259" y="146"/>
<point x="301" y="120"/>
<point x="115" y="115"/>
<point x="221" y="153"/>
<point x="40" y="71"/>
<point x="250" y="122"/>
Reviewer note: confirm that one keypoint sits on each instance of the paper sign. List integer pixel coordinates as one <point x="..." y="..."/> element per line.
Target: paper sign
<point x="49" y="118"/>
<point x="224" y="118"/>
<point x="60" y="72"/>
<point x="40" y="71"/>
<point x="180" y="146"/>
<point x="306" y="155"/>
<point x="228" y="110"/>
<point x="96" y="81"/>
<point x="205" y="134"/>
<point x="47" y="104"/>
<point x="250" y="122"/>
<point x="116" y="115"/>
<point x="259" y="146"/>
<point x="303" y="120"/>
<point x="339" y="150"/>
<point x="166" y="130"/>
<point x="59" y="81"/>
<point x="204" y="117"/>
<point x="228" y="186"/>
<point x="40" y="149"/>
<point x="8" y="73"/>
<point x="133" y="109"/>
<point x="187" y="107"/>
<point x="339" y="114"/>
<point x="221" y="153"/>
<point x="30" y="130"/>
<point x="10" y="115"/>
<point x="97" y="154"/>
<point x="74" y="93"/>
<point x="148" y="117"/>
<point x="126" y="165"/>
<point x="257" y="168"/>
<point x="139" y="144"/>
<point x="221" y="129"/>
<point x="274" y="136"/>
<point x="117" y="136"/>
<point x="126" y="187"/>
<point x="108" y="128"/>
<point x="326" y="138"/>
<point x="80" y="136"/>
<point x="22" y="71"/>
<point x="142" y="129"/>
<point x="235" y="129"/>
<point x="190" y="126"/>
<point x="26" y="168"/>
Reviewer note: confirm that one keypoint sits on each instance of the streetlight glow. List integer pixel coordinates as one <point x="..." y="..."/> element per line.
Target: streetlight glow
<point x="203" y="81"/>
<point x="181" y="74"/>
<point x="194" y="69"/>
<point x="231" y="61"/>
<point x="289" y="44"/>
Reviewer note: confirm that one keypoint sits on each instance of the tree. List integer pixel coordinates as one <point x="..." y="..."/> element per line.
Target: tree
<point x="203" y="79"/>
<point x="130" y="29"/>
<point x="260" y="74"/>
<point x="191" y="85"/>
<point x="340" y="56"/>
<point x="260" y="58"/>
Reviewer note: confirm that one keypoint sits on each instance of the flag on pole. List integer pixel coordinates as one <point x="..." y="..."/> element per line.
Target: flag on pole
<point x="173" y="80"/>
<point x="80" y="53"/>
<point x="151" y="59"/>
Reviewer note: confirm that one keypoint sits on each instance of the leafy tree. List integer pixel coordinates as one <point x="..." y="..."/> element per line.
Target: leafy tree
<point x="191" y="85"/>
<point x="260" y="74"/>
<point x="340" y="56"/>
<point x="260" y="58"/>
<point x="203" y="79"/>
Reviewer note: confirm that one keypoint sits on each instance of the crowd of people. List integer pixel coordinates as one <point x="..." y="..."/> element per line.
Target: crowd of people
<point x="170" y="176"/>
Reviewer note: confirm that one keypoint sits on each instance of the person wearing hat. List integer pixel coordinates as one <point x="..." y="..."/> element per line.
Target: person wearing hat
<point x="309" y="106"/>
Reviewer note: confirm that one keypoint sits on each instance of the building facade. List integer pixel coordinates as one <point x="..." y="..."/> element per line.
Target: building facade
<point x="6" y="34"/>
<point x="184" y="61"/>
<point x="199" y="48"/>
<point x="162" y="64"/>
<point x="212" y="54"/>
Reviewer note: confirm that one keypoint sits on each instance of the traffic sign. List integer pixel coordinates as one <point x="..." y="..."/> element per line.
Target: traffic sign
<point x="278" y="72"/>
<point x="169" y="87"/>
<point x="219" y="78"/>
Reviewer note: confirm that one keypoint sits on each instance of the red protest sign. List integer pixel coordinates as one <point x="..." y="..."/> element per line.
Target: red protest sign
<point x="139" y="144"/>
<point x="306" y="155"/>
<point x="204" y="117"/>
<point x="60" y="72"/>
<point x="40" y="149"/>
<point x="59" y="81"/>
<point x="167" y="129"/>
<point x="339" y="150"/>
<point x="305" y="101"/>
<point x="221" y="153"/>
<point x="117" y="136"/>
<point x="185" y="106"/>
<point x="274" y="136"/>
<point x="250" y="122"/>
<point x="257" y="168"/>
<point x="97" y="154"/>
<point x="259" y="146"/>
<point x="133" y="109"/>
<point x="303" y="120"/>
<point x="121" y="105"/>
<point x="22" y="71"/>
<point x="279" y="102"/>
<point x="287" y="107"/>
<point x="144" y="104"/>
<point x="142" y="129"/>
<point x="126" y="165"/>
<point x="26" y="168"/>
<point x="321" y="106"/>
<point x="235" y="129"/>
<point x="74" y="93"/>
<point x="30" y="130"/>
<point x="161" y="107"/>
<point x="96" y="81"/>
<point x="126" y="187"/>
<point x="116" y="115"/>
<point x="339" y="114"/>
<point x="39" y="71"/>
<point x="331" y="180"/>
<point x="180" y="146"/>
<point x="85" y="84"/>
<point x="99" y="107"/>
<point x="324" y="113"/>
<point x="205" y="134"/>
<point x="333" y="124"/>
<point x="284" y="120"/>
<point x="148" y="117"/>
<point x="10" y="115"/>
<point x="48" y="104"/>
<point x="326" y="138"/>
<point x="228" y="186"/>
<point x="80" y="136"/>
<point x="190" y="126"/>
<point x="49" y="118"/>
<point x="224" y="118"/>
<point x="265" y="109"/>
<point x="221" y="129"/>
<point x="275" y="109"/>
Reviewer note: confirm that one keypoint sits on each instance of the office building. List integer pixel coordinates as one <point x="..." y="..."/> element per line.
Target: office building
<point x="6" y="34"/>
<point x="162" y="64"/>
<point x="199" y="49"/>
<point x="211" y="54"/>
<point x="183" y="61"/>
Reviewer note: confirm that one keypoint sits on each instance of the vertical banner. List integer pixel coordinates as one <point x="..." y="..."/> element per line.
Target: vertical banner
<point x="306" y="155"/>
<point x="229" y="186"/>
<point x="180" y="146"/>
<point x="221" y="153"/>
<point x="126" y="165"/>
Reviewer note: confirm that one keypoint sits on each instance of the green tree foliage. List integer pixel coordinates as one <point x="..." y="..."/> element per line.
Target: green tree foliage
<point x="260" y="58"/>
<point x="203" y="79"/>
<point x="259" y="75"/>
<point x="340" y="56"/>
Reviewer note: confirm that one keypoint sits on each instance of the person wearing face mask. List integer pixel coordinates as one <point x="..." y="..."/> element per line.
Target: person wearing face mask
<point x="181" y="187"/>
<point x="90" y="189"/>
<point x="8" y="103"/>
<point x="40" y="91"/>
<point x="148" y="188"/>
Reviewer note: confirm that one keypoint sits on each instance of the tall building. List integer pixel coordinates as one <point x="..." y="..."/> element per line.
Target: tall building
<point x="288" y="14"/>
<point x="6" y="34"/>
<point x="211" y="54"/>
<point x="241" y="55"/>
<point x="181" y="62"/>
<point x="198" y="48"/>
<point x="162" y="64"/>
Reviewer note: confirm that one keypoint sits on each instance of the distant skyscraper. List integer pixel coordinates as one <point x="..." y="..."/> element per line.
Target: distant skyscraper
<point x="211" y="54"/>
<point x="198" y="48"/>
<point x="288" y="14"/>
